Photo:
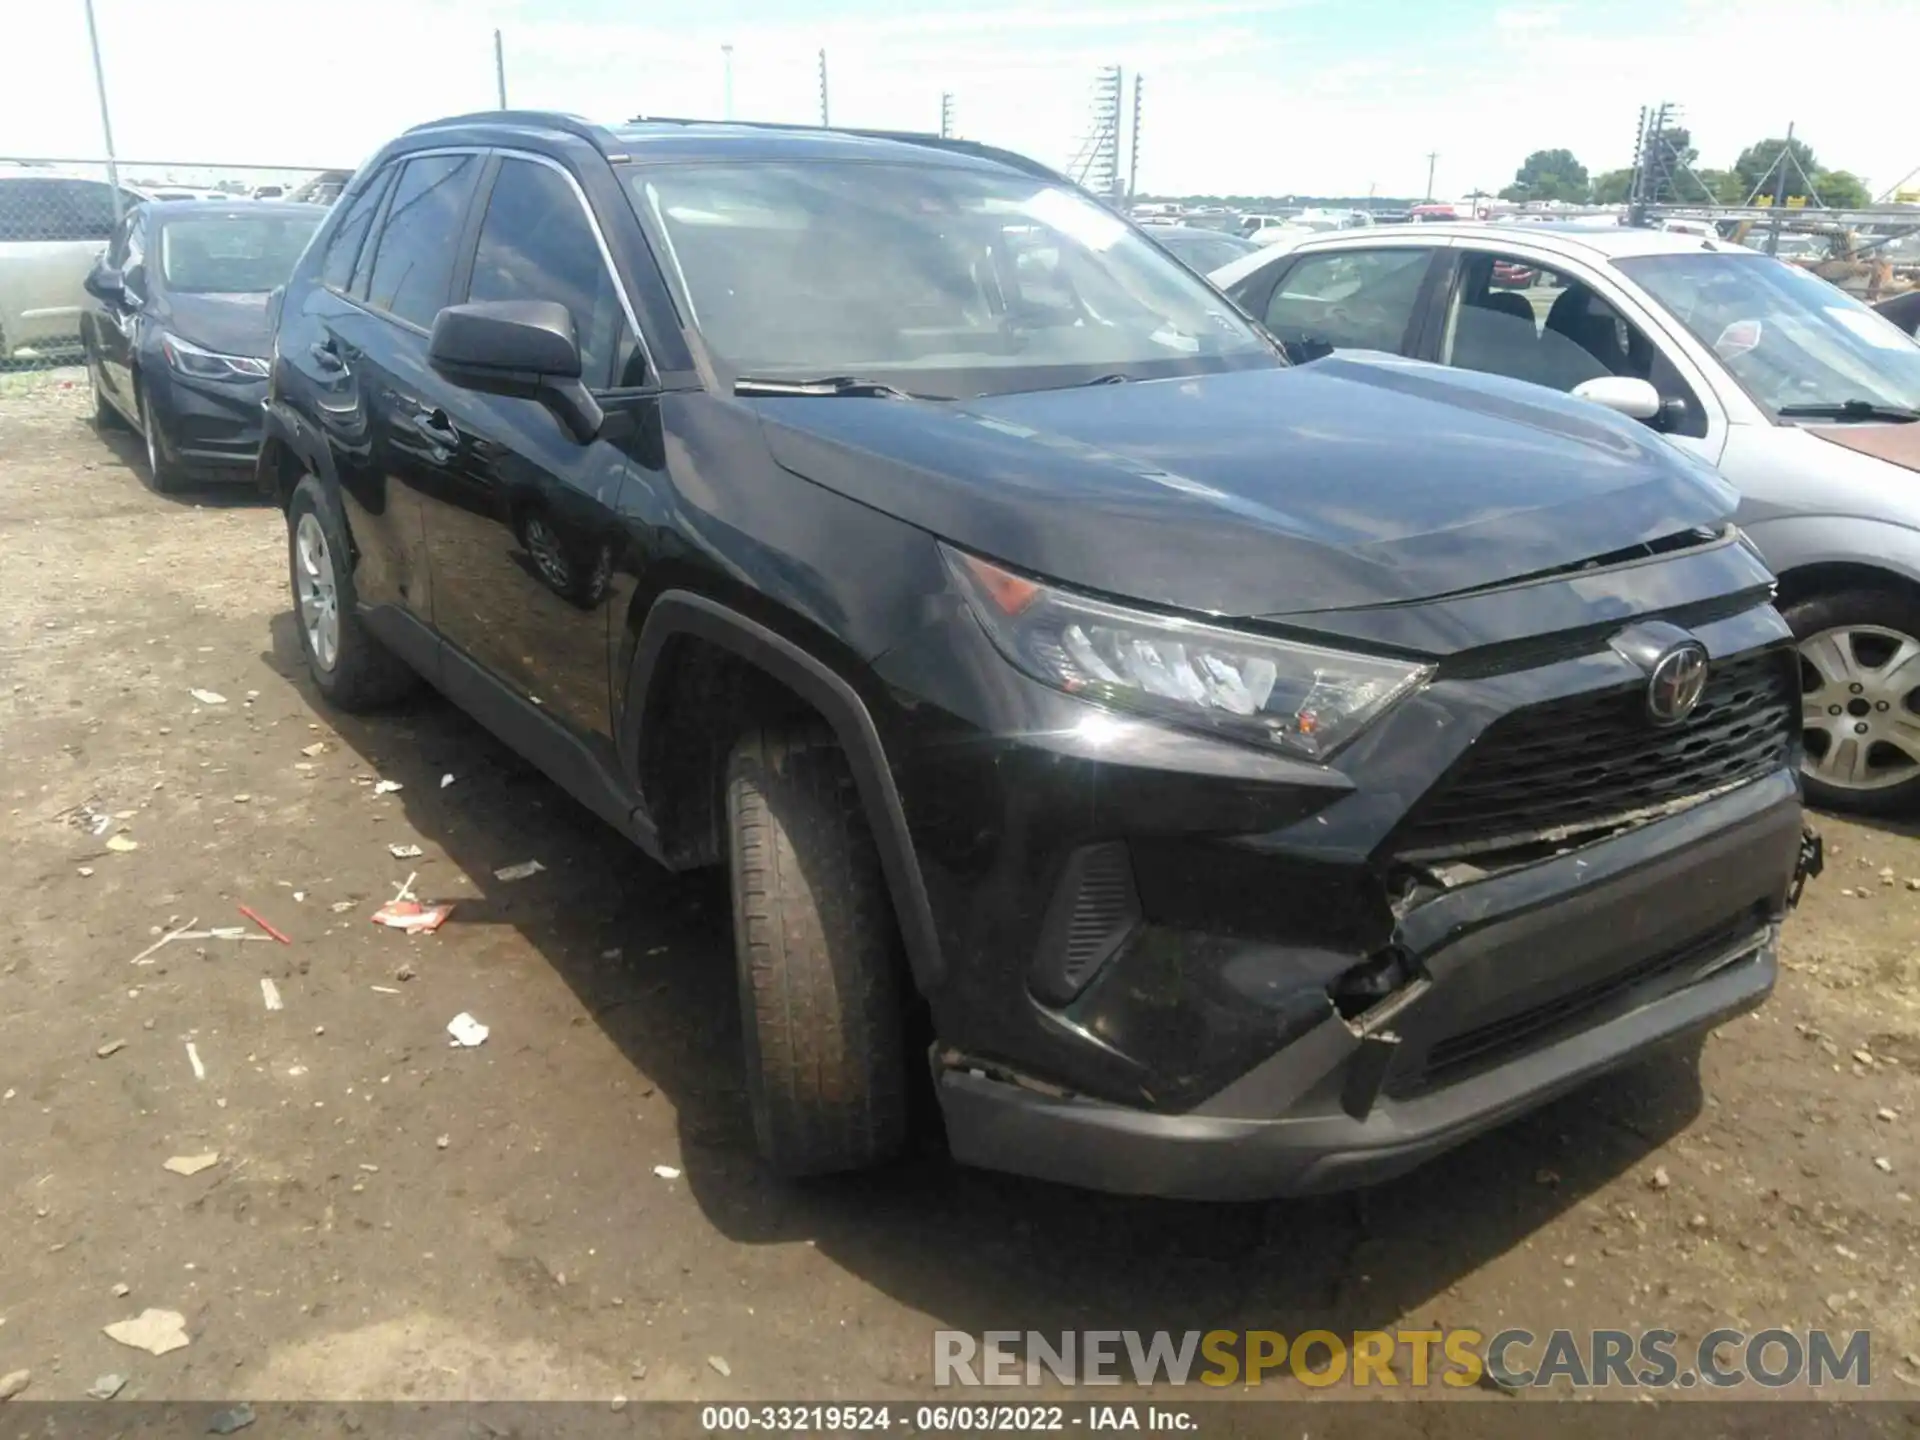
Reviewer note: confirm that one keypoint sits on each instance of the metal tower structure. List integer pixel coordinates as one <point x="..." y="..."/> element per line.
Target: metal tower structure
<point x="947" y="127"/>
<point x="823" y="89"/>
<point x="1133" y="150"/>
<point x="1096" y="164"/>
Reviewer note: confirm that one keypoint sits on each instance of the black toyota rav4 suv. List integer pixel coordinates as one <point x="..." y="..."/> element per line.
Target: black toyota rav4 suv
<point x="1226" y="778"/>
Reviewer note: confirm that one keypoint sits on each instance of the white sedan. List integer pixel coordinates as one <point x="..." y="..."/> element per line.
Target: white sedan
<point x="1800" y="395"/>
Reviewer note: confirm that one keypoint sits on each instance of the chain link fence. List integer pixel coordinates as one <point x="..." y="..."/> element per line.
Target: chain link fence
<point x="58" y="215"/>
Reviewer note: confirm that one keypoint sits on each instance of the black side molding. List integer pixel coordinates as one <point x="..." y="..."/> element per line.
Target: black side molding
<point x="682" y="612"/>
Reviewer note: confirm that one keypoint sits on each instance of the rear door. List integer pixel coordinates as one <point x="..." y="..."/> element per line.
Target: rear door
<point x="522" y="529"/>
<point x="114" y="323"/>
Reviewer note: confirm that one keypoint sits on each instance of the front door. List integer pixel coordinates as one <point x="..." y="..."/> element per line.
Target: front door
<point x="522" y="533"/>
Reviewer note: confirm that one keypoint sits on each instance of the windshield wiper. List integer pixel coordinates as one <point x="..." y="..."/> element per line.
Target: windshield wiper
<point x="1850" y="410"/>
<point x="1114" y="379"/>
<point x="831" y="385"/>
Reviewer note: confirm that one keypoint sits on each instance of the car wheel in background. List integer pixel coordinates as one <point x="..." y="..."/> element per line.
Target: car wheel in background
<point x="163" y="471"/>
<point x="351" y="668"/>
<point x="818" y="959"/>
<point x="1860" y="699"/>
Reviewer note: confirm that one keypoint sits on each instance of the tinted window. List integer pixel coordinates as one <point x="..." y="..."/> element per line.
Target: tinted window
<point x="1511" y="316"/>
<point x="413" y="260"/>
<point x="536" y="244"/>
<point x="349" y="236"/>
<point x="1347" y="299"/>
<point x="91" y="207"/>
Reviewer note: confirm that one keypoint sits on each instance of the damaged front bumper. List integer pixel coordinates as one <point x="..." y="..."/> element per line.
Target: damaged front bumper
<point x="1511" y="990"/>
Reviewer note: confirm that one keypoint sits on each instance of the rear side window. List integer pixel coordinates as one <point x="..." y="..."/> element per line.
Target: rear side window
<point x="413" y="258"/>
<point x="1347" y="300"/>
<point x="350" y="235"/>
<point x="42" y="209"/>
<point x="536" y="244"/>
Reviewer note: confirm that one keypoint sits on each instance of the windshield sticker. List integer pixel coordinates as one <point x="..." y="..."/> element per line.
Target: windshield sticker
<point x="1076" y="219"/>
<point x="1879" y="333"/>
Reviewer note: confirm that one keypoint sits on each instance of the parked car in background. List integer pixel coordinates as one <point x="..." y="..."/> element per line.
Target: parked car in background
<point x="182" y="192"/>
<point x="52" y="228"/>
<point x="1800" y="395"/>
<point x="323" y="189"/>
<point x="1903" y="310"/>
<point x="177" y="337"/>
<point x="1201" y="250"/>
<point x="1164" y="744"/>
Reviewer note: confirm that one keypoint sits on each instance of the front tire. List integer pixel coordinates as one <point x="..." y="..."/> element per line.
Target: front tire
<point x="817" y="956"/>
<point x="348" y="665"/>
<point x="164" y="475"/>
<point x="1860" y="699"/>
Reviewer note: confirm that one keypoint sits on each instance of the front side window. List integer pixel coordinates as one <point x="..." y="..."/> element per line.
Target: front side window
<point x="1348" y="300"/>
<point x="536" y="244"/>
<point x="1801" y="347"/>
<point x="413" y="257"/>
<point x="943" y="280"/>
<point x="231" y="255"/>
<point x="91" y="206"/>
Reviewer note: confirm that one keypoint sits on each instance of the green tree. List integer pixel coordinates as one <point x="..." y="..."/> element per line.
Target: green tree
<point x="1841" y="189"/>
<point x="1756" y="166"/>
<point x="1548" y="175"/>
<point x="1613" y="187"/>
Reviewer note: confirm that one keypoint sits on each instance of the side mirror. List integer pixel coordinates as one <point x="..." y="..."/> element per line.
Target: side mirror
<point x="1624" y="394"/>
<point x="523" y="348"/>
<point x="133" y="282"/>
<point x="104" y="284"/>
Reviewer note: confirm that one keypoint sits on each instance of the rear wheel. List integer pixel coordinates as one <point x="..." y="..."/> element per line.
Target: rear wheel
<point x="351" y="668"/>
<point x="818" y="959"/>
<point x="1860" y="699"/>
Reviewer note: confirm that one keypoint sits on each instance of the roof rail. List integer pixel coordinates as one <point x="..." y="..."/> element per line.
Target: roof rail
<point x="545" y="119"/>
<point x="1010" y="158"/>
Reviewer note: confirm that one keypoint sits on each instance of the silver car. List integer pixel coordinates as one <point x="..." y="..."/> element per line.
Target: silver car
<point x="1800" y="395"/>
<point x="52" y="228"/>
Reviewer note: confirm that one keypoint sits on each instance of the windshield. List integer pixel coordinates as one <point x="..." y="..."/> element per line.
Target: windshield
<point x="223" y="255"/>
<point x="1788" y="337"/>
<point x="940" y="280"/>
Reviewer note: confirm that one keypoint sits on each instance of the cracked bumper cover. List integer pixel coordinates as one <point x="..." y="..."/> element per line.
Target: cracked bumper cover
<point x="1291" y="1124"/>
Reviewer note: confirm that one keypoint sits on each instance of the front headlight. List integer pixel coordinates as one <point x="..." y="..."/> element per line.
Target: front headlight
<point x="190" y="359"/>
<point x="1301" y="698"/>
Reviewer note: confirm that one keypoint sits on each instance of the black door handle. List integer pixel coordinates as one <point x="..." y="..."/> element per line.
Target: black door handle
<point x="326" y="357"/>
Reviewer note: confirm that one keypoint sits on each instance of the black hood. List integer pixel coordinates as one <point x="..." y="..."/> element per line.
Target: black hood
<point x="1351" y="481"/>
<point x="227" y="324"/>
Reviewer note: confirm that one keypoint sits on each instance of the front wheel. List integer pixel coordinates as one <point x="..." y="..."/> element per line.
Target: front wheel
<point x="105" y="417"/>
<point x="351" y="668"/>
<point x="818" y="959"/>
<point x="1860" y="699"/>
<point x="164" y="475"/>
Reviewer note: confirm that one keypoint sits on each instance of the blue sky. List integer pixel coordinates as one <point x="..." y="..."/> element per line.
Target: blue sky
<point x="1256" y="96"/>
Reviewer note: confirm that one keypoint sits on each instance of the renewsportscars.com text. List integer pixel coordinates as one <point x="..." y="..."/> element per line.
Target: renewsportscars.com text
<point x="1514" y="1358"/>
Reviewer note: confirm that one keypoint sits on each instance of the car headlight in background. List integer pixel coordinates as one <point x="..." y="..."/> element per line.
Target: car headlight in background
<point x="1302" y="698"/>
<point x="201" y="364"/>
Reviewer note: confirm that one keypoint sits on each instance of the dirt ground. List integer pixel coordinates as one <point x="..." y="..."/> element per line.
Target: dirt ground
<point x="391" y="1217"/>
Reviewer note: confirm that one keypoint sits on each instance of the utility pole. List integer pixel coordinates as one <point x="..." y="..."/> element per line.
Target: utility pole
<point x="1432" y="157"/>
<point x="1133" y="153"/>
<point x="946" y="115"/>
<point x="726" y="55"/>
<point x="500" y="69"/>
<point x="106" y="120"/>
<point x="1780" y="192"/>
<point x="824" y="121"/>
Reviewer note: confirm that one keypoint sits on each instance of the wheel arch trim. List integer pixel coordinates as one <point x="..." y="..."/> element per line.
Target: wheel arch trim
<point x="683" y="613"/>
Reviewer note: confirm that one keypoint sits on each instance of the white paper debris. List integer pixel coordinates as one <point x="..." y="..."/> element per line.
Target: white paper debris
<point x="446" y="780"/>
<point x="154" y="1331"/>
<point x="208" y="697"/>
<point x="387" y="787"/>
<point x="192" y="1164"/>
<point x="270" y="993"/>
<point x="121" y="844"/>
<point x="466" y="1030"/>
<point x="193" y="1058"/>
<point x="405" y="852"/>
<point x="666" y="1172"/>
<point x="524" y="870"/>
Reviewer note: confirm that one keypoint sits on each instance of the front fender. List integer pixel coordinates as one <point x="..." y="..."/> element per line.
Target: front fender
<point x="288" y="437"/>
<point x="1794" y="542"/>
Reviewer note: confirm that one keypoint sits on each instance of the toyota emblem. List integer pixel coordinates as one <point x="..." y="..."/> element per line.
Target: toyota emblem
<point x="1678" y="678"/>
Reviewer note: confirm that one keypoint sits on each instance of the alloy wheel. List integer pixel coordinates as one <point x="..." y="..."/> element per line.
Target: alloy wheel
<point x="318" y="595"/>
<point x="1859" y="684"/>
